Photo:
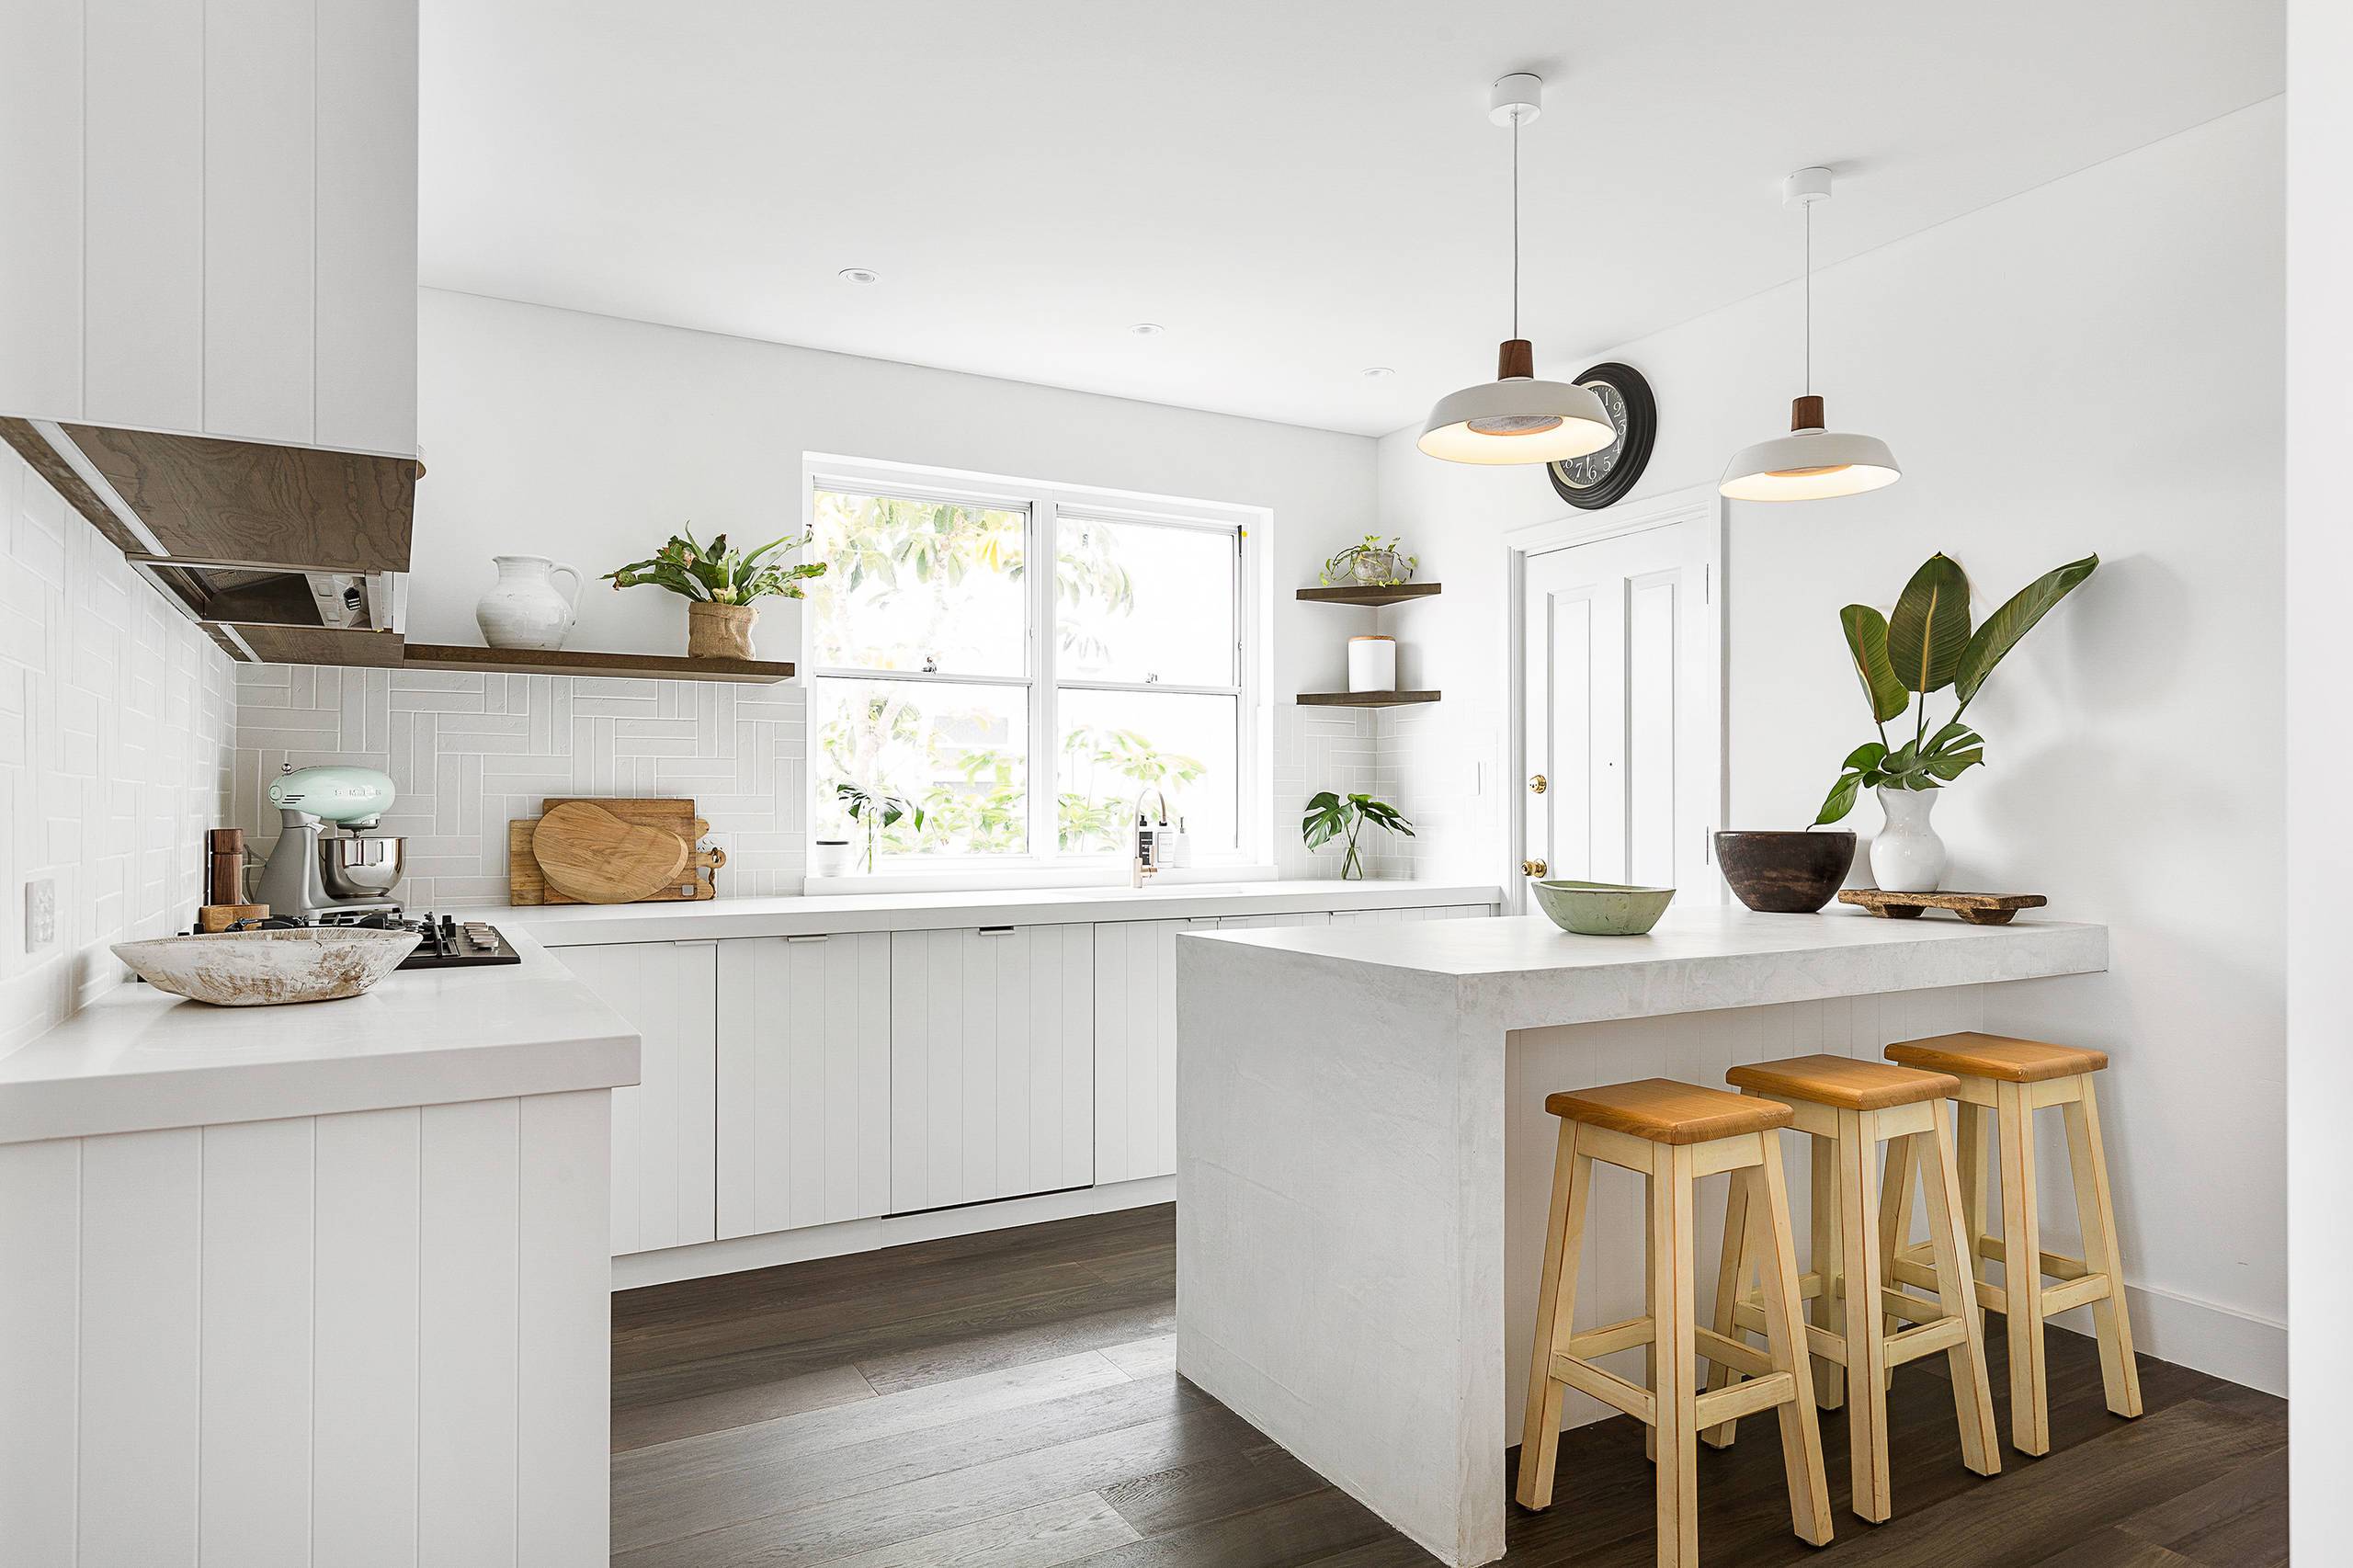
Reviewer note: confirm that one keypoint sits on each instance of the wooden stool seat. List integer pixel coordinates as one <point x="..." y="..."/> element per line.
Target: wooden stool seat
<point x="1843" y="1082"/>
<point x="2003" y="1082"/>
<point x="1661" y="1110"/>
<point x="1998" y="1057"/>
<point x="1675" y="1134"/>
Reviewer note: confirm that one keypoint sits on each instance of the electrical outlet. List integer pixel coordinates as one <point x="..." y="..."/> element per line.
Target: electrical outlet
<point x="40" y="914"/>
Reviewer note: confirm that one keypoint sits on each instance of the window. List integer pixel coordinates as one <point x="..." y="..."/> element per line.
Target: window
<point x="1025" y="711"/>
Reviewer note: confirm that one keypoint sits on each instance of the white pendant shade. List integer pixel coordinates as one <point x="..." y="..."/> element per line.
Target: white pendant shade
<point x="1516" y="418"/>
<point x="1810" y="465"/>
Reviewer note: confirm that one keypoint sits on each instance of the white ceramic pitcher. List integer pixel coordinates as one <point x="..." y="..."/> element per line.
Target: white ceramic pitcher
<point x="525" y="609"/>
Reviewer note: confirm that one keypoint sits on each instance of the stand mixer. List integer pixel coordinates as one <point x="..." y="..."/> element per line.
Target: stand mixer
<point x="312" y="874"/>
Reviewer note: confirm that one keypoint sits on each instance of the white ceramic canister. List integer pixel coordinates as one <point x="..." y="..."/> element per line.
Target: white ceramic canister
<point x="1372" y="664"/>
<point x="525" y="609"/>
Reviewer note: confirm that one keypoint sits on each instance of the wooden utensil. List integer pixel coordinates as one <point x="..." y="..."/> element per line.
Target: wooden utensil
<point x="221" y="916"/>
<point x="597" y="858"/>
<point x="1977" y="908"/>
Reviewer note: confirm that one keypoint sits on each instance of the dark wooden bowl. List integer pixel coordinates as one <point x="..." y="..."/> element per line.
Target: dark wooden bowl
<point x="1785" y="873"/>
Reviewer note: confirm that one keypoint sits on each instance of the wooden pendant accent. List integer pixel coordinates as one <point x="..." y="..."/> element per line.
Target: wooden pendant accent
<point x="1516" y="360"/>
<point x="1805" y="414"/>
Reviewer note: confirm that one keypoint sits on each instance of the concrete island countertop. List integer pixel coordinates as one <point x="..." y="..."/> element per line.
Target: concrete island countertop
<point x="137" y="1058"/>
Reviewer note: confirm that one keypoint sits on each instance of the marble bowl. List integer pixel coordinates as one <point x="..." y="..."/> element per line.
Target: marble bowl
<point x="1602" y="909"/>
<point x="263" y="969"/>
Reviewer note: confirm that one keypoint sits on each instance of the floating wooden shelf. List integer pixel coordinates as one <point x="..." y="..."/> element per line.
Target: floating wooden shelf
<point x="1395" y="594"/>
<point x="574" y="661"/>
<point x="1364" y="699"/>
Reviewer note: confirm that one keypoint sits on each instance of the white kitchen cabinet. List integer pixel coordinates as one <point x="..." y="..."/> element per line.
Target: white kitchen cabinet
<point x="218" y="236"/>
<point x="664" y="1129"/>
<point x="1135" y="1047"/>
<point x="804" y="1081"/>
<point x="1407" y="916"/>
<point x="992" y="1064"/>
<point x="1263" y="922"/>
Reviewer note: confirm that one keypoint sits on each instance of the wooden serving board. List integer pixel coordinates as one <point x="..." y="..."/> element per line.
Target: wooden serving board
<point x="1977" y="908"/>
<point x="527" y="886"/>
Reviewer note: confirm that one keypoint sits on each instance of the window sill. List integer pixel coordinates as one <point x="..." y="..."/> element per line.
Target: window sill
<point x="983" y="880"/>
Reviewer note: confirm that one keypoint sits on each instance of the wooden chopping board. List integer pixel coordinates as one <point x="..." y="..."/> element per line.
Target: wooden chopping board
<point x="528" y="885"/>
<point x="594" y="856"/>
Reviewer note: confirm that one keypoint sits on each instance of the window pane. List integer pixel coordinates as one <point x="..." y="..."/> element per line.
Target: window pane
<point x="918" y="585"/>
<point x="960" y="752"/>
<point x="1133" y="602"/>
<point x="1117" y="743"/>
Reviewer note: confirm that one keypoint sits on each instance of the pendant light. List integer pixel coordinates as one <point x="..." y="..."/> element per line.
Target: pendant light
<point x="1516" y="418"/>
<point x="1810" y="463"/>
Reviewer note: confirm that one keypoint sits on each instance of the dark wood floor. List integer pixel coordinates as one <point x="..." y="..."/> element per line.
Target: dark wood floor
<point x="1009" y="1401"/>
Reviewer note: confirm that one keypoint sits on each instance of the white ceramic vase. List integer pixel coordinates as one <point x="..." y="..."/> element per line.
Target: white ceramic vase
<point x="1908" y="856"/>
<point x="525" y="609"/>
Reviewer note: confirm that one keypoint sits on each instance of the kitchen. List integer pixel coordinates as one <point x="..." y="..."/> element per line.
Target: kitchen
<point x="892" y="1148"/>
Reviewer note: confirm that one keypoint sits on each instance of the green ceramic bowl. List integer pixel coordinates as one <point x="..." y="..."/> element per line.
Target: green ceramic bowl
<point x="1602" y="909"/>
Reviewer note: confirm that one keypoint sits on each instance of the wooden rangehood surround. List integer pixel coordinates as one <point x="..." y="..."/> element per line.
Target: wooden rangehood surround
<point x="203" y="499"/>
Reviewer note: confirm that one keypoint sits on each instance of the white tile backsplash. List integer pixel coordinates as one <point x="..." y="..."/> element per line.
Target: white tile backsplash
<point x="115" y="720"/>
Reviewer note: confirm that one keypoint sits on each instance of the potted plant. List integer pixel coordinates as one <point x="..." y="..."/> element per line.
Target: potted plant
<point x="1927" y="646"/>
<point x="876" y="809"/>
<point x="1375" y="563"/>
<point x="1330" y="816"/>
<point x="721" y="586"/>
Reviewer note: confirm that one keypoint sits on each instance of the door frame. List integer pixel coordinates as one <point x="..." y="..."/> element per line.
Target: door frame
<point x="1701" y="503"/>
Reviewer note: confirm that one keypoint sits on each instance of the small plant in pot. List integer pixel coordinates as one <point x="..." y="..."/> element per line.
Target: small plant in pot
<point x="1331" y="816"/>
<point x="721" y="586"/>
<point x="1375" y="563"/>
<point x="1927" y="646"/>
<point x="875" y="809"/>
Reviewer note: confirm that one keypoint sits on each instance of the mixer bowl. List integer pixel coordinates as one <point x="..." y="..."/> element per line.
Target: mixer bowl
<point x="358" y="865"/>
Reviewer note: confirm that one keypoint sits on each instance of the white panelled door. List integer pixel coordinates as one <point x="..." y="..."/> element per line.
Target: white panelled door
<point x="1623" y="740"/>
<point x="992" y="1064"/>
<point x="663" y="1127"/>
<point x="804" y="1081"/>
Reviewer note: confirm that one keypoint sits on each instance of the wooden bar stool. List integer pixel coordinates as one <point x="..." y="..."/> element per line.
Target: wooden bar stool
<point x="2014" y="1078"/>
<point x="1849" y="1107"/>
<point x="1674" y="1134"/>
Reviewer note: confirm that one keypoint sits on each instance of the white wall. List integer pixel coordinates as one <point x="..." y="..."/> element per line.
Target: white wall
<point x="2091" y="366"/>
<point x="114" y="734"/>
<point x="2319" y="755"/>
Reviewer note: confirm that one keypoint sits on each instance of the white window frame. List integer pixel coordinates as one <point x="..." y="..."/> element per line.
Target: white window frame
<point x="1045" y="502"/>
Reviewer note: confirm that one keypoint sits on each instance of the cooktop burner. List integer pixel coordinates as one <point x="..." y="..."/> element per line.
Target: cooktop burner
<point x="445" y="941"/>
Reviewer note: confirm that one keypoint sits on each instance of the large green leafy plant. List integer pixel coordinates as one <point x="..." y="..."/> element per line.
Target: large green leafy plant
<point x="717" y="574"/>
<point x="1331" y="816"/>
<point x="1927" y="646"/>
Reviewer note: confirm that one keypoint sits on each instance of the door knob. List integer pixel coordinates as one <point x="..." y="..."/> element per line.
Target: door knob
<point x="1538" y="785"/>
<point x="1531" y="868"/>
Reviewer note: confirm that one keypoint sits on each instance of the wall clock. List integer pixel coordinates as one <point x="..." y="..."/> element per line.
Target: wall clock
<point x="1598" y="478"/>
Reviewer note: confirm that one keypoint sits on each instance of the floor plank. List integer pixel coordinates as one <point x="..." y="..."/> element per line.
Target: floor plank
<point x="1039" y="1536"/>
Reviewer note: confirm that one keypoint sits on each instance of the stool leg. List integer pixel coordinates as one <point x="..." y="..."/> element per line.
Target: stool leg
<point x="1894" y="1224"/>
<point x="1556" y="1303"/>
<point x="1973" y="1396"/>
<point x="1677" y="1389"/>
<point x="2088" y="1157"/>
<point x="1859" y="1218"/>
<point x="1970" y="1142"/>
<point x="2022" y="1272"/>
<point x="1650" y="1310"/>
<point x="1829" y="1379"/>
<point x="1732" y="1282"/>
<point x="1776" y="1253"/>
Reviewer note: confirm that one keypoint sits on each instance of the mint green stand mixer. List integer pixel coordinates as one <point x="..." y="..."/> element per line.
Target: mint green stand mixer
<point x="314" y="874"/>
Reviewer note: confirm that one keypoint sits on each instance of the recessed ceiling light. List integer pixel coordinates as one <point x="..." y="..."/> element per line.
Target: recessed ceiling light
<point x="859" y="275"/>
<point x="1376" y="372"/>
<point x="1147" y="329"/>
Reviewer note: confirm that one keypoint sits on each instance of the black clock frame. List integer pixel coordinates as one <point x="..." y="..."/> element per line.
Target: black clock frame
<point x="1635" y="449"/>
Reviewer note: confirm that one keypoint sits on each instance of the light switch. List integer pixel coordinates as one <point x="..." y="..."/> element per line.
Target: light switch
<point x="40" y="914"/>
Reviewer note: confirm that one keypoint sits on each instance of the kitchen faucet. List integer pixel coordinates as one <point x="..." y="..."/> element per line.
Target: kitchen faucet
<point x="1146" y="863"/>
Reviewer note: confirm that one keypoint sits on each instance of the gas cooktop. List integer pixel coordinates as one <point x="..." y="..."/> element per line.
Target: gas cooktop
<point x="444" y="940"/>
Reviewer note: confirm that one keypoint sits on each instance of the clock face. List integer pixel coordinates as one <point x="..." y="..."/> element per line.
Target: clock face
<point x="1598" y="478"/>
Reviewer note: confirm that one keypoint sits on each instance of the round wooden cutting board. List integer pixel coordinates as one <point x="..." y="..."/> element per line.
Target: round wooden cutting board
<point x="594" y="856"/>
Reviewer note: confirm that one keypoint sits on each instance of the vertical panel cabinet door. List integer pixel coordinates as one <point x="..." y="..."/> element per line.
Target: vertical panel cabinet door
<point x="1266" y="922"/>
<point x="804" y="1081"/>
<point x="663" y="1127"/>
<point x="1135" y="1047"/>
<point x="992" y="1064"/>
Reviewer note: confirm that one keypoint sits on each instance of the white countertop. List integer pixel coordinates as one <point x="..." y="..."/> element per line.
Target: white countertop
<point x="137" y="1058"/>
<point x="1531" y="973"/>
<point x="575" y="925"/>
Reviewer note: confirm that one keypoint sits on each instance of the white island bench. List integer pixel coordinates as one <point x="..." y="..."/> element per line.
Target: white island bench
<point x="1363" y="1154"/>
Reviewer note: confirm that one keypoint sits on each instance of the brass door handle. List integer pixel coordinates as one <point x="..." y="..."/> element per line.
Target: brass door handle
<point x="1531" y="868"/>
<point x="1538" y="785"/>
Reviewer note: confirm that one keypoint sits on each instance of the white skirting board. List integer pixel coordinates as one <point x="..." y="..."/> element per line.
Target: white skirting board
<point x="738" y="1254"/>
<point x="369" y="1338"/>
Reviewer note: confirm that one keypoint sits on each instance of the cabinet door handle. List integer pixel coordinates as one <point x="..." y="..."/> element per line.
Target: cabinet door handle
<point x="814" y="937"/>
<point x="996" y="931"/>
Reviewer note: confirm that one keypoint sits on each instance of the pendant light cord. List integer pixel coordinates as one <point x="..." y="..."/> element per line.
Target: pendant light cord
<point x="1515" y="222"/>
<point x="1808" y="299"/>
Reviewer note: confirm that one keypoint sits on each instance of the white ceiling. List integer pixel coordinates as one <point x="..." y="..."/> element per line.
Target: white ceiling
<point x="1296" y="189"/>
